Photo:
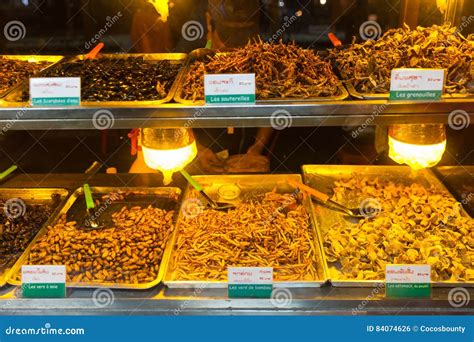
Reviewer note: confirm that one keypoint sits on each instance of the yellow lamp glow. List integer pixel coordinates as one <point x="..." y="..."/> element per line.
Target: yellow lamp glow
<point x="418" y="146"/>
<point x="168" y="150"/>
<point x="162" y="8"/>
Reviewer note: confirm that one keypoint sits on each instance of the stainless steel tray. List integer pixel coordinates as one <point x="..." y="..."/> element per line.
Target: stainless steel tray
<point x="385" y="96"/>
<point x="32" y="59"/>
<point x="322" y="177"/>
<point x="460" y="182"/>
<point x="164" y="198"/>
<point x="250" y="186"/>
<point x="35" y="196"/>
<point x="343" y="94"/>
<point x="179" y="58"/>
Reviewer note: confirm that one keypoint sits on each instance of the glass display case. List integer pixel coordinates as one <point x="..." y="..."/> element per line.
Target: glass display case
<point x="305" y="178"/>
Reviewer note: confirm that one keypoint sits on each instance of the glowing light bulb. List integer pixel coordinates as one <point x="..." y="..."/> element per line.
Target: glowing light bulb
<point x="162" y="8"/>
<point x="417" y="145"/>
<point x="169" y="161"/>
<point x="416" y="156"/>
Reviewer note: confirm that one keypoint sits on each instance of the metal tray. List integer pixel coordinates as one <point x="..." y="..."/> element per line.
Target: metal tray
<point x="179" y="58"/>
<point x="385" y="96"/>
<point x="164" y="198"/>
<point x="322" y="177"/>
<point x="250" y="185"/>
<point x="179" y="91"/>
<point x="36" y="196"/>
<point x="30" y="58"/>
<point x="460" y="182"/>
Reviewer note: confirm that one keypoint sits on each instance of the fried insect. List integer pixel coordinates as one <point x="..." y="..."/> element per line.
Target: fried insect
<point x="14" y="71"/>
<point x="368" y="65"/>
<point x="17" y="232"/>
<point x="129" y="252"/>
<point x="416" y="225"/>
<point x="281" y="71"/>
<point x="270" y="232"/>
<point x="111" y="79"/>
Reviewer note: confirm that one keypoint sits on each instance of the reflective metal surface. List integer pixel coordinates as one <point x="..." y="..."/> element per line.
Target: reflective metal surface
<point x="322" y="177"/>
<point x="345" y="113"/>
<point x="164" y="198"/>
<point x="33" y="196"/>
<point x="165" y="301"/>
<point x="251" y="186"/>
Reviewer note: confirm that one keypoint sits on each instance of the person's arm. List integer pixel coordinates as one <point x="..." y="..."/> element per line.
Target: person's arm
<point x="261" y="140"/>
<point x="208" y="160"/>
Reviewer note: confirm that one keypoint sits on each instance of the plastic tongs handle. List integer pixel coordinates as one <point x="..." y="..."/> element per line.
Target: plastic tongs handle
<point x="317" y="194"/>
<point x="95" y="51"/>
<point x="88" y="195"/>
<point x="334" y="40"/>
<point x="5" y="173"/>
<point x="191" y="181"/>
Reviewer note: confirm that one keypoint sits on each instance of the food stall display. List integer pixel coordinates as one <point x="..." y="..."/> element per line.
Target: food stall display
<point x="124" y="252"/>
<point x="269" y="227"/>
<point x="410" y="219"/>
<point x="118" y="78"/>
<point x="15" y="69"/>
<point x="160" y="251"/>
<point x="366" y="67"/>
<point x="23" y="214"/>
<point x="282" y="72"/>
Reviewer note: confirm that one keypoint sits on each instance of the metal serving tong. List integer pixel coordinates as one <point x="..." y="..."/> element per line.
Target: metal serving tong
<point x="325" y="199"/>
<point x="91" y="221"/>
<point x="7" y="172"/>
<point x="214" y="205"/>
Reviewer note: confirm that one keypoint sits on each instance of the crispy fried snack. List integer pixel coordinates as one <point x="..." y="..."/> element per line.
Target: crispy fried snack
<point x="368" y="65"/>
<point x="415" y="226"/>
<point x="273" y="232"/>
<point x="130" y="252"/>
<point x="281" y="71"/>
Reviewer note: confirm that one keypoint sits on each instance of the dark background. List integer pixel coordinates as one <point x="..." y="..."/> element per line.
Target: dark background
<point x="62" y="27"/>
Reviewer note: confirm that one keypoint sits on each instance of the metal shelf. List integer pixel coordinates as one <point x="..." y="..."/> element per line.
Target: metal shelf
<point x="339" y="113"/>
<point x="160" y="300"/>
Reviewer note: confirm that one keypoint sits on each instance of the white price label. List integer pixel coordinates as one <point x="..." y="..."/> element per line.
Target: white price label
<point x="228" y="89"/>
<point x="417" y="84"/>
<point x="55" y="91"/>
